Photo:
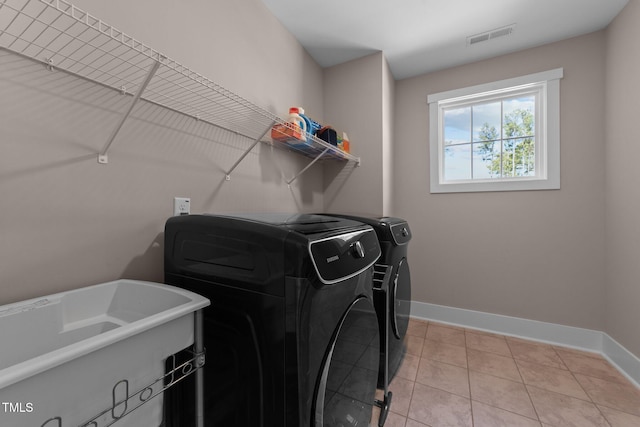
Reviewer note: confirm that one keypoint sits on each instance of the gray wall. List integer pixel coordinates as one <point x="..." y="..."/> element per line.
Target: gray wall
<point x="353" y="103"/>
<point x="533" y="254"/>
<point x="622" y="178"/>
<point x="388" y="146"/>
<point x="359" y="99"/>
<point x="67" y="221"/>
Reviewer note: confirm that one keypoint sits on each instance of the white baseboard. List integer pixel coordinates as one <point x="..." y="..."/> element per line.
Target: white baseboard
<point x="567" y="336"/>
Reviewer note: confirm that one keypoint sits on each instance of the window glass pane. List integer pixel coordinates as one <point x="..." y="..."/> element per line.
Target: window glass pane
<point x="518" y="157"/>
<point x="457" y="162"/>
<point x="486" y="121"/>
<point x="519" y="116"/>
<point x="507" y="158"/>
<point x="525" y="157"/>
<point x="457" y="125"/>
<point x="486" y="160"/>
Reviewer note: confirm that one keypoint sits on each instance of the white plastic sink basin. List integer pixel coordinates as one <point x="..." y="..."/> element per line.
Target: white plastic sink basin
<point x="62" y="354"/>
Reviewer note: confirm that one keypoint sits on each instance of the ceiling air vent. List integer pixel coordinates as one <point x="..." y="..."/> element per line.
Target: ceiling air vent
<point x="490" y="35"/>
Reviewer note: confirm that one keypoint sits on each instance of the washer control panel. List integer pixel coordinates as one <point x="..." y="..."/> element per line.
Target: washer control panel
<point x="401" y="233"/>
<point x="343" y="256"/>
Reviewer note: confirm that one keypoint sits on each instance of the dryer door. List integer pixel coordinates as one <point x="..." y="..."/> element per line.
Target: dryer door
<point x="400" y="300"/>
<point x="345" y="391"/>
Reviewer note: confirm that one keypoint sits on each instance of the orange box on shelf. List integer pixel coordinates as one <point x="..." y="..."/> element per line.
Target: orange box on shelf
<point x="289" y="133"/>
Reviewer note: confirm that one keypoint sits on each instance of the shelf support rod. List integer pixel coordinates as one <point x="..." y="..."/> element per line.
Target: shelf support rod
<point x="198" y="344"/>
<point x="235" y="165"/>
<point x="102" y="157"/>
<point x="308" y="166"/>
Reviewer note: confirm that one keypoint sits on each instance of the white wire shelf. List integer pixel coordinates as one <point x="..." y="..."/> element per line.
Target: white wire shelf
<point x="62" y="36"/>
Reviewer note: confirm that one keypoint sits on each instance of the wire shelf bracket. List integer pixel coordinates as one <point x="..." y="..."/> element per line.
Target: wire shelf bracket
<point x="235" y="165"/>
<point x="102" y="156"/>
<point x="308" y="166"/>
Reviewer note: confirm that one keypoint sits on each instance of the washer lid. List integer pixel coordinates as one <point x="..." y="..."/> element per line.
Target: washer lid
<point x="300" y="223"/>
<point x="388" y="228"/>
<point x="283" y="218"/>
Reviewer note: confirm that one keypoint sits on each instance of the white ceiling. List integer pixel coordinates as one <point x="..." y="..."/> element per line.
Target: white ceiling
<point x="420" y="36"/>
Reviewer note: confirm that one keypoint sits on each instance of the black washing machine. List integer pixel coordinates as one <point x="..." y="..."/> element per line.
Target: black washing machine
<point x="291" y="336"/>
<point x="393" y="304"/>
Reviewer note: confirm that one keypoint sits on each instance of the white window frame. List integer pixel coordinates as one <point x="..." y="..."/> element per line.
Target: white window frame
<point x="547" y="122"/>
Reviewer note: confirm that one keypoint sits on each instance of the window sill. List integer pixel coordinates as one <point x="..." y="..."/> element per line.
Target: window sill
<point x="502" y="185"/>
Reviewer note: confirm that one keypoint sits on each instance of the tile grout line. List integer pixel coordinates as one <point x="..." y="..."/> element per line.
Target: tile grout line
<point x="535" y="410"/>
<point x="466" y="352"/>
<point x="519" y="373"/>
<point x="413" y="383"/>
<point x="573" y="375"/>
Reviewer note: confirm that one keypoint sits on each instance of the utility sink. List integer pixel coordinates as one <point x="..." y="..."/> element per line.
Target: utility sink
<point x="65" y="357"/>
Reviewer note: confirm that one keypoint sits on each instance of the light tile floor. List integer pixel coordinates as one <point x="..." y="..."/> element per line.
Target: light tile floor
<point x="455" y="377"/>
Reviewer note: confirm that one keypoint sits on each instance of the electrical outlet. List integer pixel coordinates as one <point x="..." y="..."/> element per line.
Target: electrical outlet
<point x="181" y="206"/>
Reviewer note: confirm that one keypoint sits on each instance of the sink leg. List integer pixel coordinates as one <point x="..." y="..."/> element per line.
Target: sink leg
<point x="199" y="349"/>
